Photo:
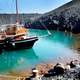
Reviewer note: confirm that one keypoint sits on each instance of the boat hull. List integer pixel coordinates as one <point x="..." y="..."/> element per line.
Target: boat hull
<point x="18" y="44"/>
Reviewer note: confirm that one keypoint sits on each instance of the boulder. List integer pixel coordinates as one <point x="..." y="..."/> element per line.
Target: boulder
<point x="59" y="69"/>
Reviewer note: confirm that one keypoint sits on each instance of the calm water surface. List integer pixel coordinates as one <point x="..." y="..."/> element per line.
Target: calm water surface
<point x="52" y="48"/>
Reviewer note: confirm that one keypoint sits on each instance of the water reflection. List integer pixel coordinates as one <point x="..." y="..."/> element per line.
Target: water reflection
<point x="17" y="60"/>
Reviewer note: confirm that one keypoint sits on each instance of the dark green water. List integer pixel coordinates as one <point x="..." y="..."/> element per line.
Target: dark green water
<point x="46" y="49"/>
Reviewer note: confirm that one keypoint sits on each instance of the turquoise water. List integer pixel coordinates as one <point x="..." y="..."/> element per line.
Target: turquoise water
<point x="46" y="49"/>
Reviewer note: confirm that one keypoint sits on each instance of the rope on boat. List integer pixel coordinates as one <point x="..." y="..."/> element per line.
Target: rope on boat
<point x="49" y="33"/>
<point x="44" y="36"/>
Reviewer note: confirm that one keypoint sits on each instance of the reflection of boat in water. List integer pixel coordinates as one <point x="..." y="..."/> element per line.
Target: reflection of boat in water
<point x="17" y="60"/>
<point x="14" y="37"/>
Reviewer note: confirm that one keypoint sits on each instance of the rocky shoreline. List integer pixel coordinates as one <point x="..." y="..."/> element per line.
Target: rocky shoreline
<point x="58" y="71"/>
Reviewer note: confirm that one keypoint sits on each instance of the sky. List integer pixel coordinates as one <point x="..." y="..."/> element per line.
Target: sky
<point x="30" y="6"/>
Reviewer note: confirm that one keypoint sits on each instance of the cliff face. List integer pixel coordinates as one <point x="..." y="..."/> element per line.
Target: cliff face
<point x="70" y="9"/>
<point x="11" y="18"/>
<point x="66" y="17"/>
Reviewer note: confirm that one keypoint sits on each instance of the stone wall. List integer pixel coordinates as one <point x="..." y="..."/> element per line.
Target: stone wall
<point x="11" y="18"/>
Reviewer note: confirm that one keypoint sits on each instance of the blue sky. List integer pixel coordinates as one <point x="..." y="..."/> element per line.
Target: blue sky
<point x="30" y="6"/>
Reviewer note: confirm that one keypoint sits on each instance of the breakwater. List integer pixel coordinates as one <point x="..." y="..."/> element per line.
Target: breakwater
<point x="11" y="18"/>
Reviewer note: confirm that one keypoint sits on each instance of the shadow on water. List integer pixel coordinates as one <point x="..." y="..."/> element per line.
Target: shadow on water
<point x="17" y="60"/>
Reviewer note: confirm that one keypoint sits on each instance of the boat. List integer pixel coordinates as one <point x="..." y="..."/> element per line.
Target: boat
<point x="14" y="37"/>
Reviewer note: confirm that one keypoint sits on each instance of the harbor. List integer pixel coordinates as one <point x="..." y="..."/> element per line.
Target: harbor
<point x="40" y="46"/>
<point x="60" y="50"/>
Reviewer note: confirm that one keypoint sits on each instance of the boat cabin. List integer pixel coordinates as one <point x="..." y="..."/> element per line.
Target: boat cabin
<point x="13" y="30"/>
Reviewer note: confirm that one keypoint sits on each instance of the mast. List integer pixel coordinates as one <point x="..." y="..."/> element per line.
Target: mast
<point x="17" y="14"/>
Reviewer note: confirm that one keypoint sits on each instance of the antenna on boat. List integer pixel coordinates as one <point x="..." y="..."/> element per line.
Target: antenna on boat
<point x="45" y="27"/>
<point x="17" y="15"/>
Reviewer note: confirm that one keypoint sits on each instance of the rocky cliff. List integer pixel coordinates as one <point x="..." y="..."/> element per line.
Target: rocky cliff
<point x="66" y="17"/>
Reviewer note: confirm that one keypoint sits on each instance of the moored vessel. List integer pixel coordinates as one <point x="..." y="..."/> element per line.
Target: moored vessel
<point x="14" y="37"/>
